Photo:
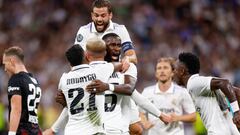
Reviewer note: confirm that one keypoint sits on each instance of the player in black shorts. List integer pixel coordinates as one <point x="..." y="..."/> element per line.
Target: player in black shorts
<point x="24" y="94"/>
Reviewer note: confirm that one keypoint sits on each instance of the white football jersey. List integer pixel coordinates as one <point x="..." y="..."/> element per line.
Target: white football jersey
<point x="207" y="105"/>
<point x="114" y="123"/>
<point x="89" y="31"/>
<point x="85" y="110"/>
<point x="175" y="100"/>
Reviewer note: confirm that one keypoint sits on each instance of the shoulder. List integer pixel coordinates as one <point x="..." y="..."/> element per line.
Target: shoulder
<point x="119" y="27"/>
<point x="84" y="28"/>
<point x="180" y="89"/>
<point x="16" y="78"/>
<point x="149" y="90"/>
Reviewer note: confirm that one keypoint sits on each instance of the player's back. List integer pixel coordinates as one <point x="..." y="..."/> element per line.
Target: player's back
<point x="28" y="87"/>
<point x="84" y="109"/>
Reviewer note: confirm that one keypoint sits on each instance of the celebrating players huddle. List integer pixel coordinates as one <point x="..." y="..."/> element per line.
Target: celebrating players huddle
<point x="99" y="96"/>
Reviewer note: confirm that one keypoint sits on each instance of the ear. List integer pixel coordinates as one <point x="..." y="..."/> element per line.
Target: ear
<point x="105" y="53"/>
<point x="111" y="15"/>
<point x="12" y="60"/>
<point x="87" y="56"/>
<point x="92" y="15"/>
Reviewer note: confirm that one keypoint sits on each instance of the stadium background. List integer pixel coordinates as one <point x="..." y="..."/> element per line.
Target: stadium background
<point x="46" y="28"/>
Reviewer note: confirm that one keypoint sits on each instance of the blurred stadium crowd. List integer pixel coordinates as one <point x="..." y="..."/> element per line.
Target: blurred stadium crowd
<point x="46" y="28"/>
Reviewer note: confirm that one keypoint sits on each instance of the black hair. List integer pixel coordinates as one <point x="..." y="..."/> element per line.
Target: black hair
<point x="102" y="3"/>
<point x="75" y="55"/>
<point x="191" y="61"/>
<point x="110" y="35"/>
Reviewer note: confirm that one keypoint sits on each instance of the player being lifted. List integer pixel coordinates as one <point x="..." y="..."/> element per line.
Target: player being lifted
<point x="202" y="88"/>
<point x="117" y="105"/>
<point x="24" y="94"/>
<point x="101" y="25"/>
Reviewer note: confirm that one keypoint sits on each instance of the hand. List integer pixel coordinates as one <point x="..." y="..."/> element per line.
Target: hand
<point x="60" y="98"/>
<point x="147" y="125"/>
<point x="174" y="117"/>
<point x="97" y="86"/>
<point x="165" y="118"/>
<point x="236" y="118"/>
<point x="48" y="132"/>
<point x="125" y="64"/>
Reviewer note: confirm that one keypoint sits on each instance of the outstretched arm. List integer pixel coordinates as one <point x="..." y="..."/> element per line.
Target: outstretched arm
<point x="226" y="87"/>
<point x="184" y="118"/>
<point x="144" y="103"/>
<point x="127" y="88"/>
<point x="60" y="123"/>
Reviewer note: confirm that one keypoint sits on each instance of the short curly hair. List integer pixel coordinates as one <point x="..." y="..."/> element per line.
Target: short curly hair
<point x="191" y="61"/>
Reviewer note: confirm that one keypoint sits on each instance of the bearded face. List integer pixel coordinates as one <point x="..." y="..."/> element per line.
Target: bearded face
<point x="101" y="18"/>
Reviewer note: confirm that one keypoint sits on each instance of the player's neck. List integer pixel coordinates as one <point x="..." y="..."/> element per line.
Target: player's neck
<point x="185" y="80"/>
<point x="20" y="68"/>
<point x="97" y="59"/>
<point x="164" y="86"/>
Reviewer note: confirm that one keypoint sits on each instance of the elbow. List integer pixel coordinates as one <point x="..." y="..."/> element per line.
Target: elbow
<point x="224" y="84"/>
<point x="129" y="89"/>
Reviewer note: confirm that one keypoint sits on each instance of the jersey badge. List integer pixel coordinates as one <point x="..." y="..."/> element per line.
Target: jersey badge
<point x="79" y="37"/>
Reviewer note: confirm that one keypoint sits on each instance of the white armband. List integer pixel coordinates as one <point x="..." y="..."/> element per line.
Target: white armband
<point x="234" y="106"/>
<point x="11" y="133"/>
<point x="111" y="87"/>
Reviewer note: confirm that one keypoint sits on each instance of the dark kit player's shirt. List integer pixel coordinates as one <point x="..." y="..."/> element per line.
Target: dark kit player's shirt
<point x="25" y="85"/>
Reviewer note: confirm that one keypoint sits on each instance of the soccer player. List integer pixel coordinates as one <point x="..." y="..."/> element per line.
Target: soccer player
<point x="24" y="94"/>
<point x="84" y="110"/>
<point x="202" y="88"/>
<point x="119" y="106"/>
<point x="170" y="99"/>
<point x="101" y="24"/>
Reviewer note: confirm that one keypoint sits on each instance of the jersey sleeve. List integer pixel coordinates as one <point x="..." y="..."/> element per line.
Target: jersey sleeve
<point x="132" y="71"/>
<point x="104" y="71"/>
<point x="80" y="39"/>
<point x="14" y="86"/>
<point x="200" y="85"/>
<point x="188" y="105"/>
<point x="126" y="41"/>
<point x="61" y="81"/>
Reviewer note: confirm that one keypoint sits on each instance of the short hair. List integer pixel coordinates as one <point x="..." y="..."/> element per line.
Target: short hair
<point x="110" y="35"/>
<point x="75" y="55"/>
<point x="15" y="51"/>
<point x="96" y="45"/>
<point x="170" y="60"/>
<point x="101" y="4"/>
<point x="191" y="62"/>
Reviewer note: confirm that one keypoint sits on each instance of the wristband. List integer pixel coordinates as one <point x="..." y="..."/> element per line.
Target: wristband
<point x="11" y="133"/>
<point x="111" y="87"/>
<point x="234" y="106"/>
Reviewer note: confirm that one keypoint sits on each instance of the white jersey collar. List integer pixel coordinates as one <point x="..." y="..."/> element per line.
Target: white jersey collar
<point x="158" y="91"/>
<point x="97" y="62"/>
<point x="110" y="27"/>
<point x="80" y="67"/>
